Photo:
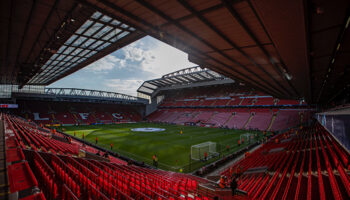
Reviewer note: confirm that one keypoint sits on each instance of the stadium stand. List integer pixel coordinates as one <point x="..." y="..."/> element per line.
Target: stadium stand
<point x="51" y="166"/>
<point x="269" y="65"/>
<point x="67" y="113"/>
<point x="240" y="110"/>
<point x="299" y="164"/>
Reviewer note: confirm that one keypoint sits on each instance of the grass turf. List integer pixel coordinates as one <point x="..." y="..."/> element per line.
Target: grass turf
<point x="172" y="148"/>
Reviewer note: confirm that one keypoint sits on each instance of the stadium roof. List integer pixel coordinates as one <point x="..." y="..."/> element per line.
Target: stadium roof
<point x="64" y="94"/>
<point x="289" y="49"/>
<point x="187" y="76"/>
<point x="47" y="40"/>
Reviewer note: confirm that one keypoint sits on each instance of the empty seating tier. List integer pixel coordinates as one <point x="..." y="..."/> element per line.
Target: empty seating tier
<point x="300" y="164"/>
<point x="51" y="169"/>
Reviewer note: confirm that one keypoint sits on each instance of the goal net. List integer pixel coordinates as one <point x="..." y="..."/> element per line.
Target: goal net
<point x="248" y="137"/>
<point x="198" y="150"/>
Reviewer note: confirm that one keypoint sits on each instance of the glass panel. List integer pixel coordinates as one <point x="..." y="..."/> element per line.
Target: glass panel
<point x="102" y="32"/>
<point x="105" y="18"/>
<point x="74" y="59"/>
<point x="68" y="58"/>
<point x="87" y="43"/>
<point x="122" y="35"/>
<point x="205" y="75"/>
<point x="92" y="30"/>
<point x="96" y="15"/>
<point x="96" y="44"/>
<point x="54" y="63"/>
<point x="124" y="26"/>
<point x="69" y="50"/>
<point x="70" y="40"/>
<point x="84" y="52"/>
<point x="44" y="66"/>
<point x="84" y="26"/>
<point x="82" y="60"/>
<point x="77" y="51"/>
<point x="79" y="41"/>
<point x="143" y="89"/>
<point x="60" y="57"/>
<point x="111" y="34"/>
<point x="103" y="46"/>
<point x="149" y="85"/>
<point x="97" y="26"/>
<point x="63" y="47"/>
<point x="115" y="22"/>
<point x="53" y="56"/>
<point x="91" y="53"/>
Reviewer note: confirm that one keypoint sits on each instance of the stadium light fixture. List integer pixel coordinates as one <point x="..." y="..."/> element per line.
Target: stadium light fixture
<point x="288" y="76"/>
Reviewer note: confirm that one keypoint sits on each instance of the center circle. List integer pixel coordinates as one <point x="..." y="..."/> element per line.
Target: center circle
<point x="148" y="129"/>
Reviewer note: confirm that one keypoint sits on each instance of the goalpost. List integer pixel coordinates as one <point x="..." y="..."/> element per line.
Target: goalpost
<point x="198" y="150"/>
<point x="248" y="137"/>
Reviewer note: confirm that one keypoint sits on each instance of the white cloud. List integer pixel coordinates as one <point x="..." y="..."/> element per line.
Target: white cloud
<point x="124" y="71"/>
<point x="123" y="86"/>
<point x="167" y="59"/>
<point x="136" y="53"/>
<point x="106" y="63"/>
<point x="157" y="58"/>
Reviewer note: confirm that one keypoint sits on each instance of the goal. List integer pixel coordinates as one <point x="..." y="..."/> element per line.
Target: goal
<point x="248" y="137"/>
<point x="198" y="150"/>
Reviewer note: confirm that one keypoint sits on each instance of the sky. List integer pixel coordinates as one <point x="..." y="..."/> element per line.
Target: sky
<point x="124" y="70"/>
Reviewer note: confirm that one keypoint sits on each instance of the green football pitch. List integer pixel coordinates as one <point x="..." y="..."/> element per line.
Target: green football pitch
<point x="172" y="148"/>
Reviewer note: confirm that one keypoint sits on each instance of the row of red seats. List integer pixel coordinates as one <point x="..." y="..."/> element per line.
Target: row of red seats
<point x="80" y="178"/>
<point x="61" y="176"/>
<point x="63" y="112"/>
<point x="231" y="101"/>
<point x="20" y="175"/>
<point x="301" y="164"/>
<point x="29" y="136"/>
<point x="285" y="118"/>
<point x="37" y="140"/>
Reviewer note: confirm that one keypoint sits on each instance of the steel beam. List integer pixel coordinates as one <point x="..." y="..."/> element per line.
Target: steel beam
<point x="185" y="29"/>
<point x="155" y="32"/>
<point x="235" y="46"/>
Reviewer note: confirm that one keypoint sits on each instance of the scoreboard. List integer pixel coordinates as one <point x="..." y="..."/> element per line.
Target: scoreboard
<point x="8" y="105"/>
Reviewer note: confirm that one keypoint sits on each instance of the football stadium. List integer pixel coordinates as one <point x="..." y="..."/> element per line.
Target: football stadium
<point x="260" y="110"/>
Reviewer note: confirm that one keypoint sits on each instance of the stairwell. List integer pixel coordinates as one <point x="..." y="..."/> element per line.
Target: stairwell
<point x="76" y="118"/>
<point x="301" y="116"/>
<point x="110" y="114"/>
<point x="228" y="102"/>
<point x="196" y="114"/>
<point x="229" y="119"/>
<point x="254" y="101"/>
<point x="272" y="120"/>
<point x="49" y="108"/>
<point x="241" y="102"/>
<point x="177" y="117"/>
<point x="250" y="119"/>
<point x="4" y="182"/>
<point x="94" y="116"/>
<point x="54" y="120"/>
<point x="211" y="116"/>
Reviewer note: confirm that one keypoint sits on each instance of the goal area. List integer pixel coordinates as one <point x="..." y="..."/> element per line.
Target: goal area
<point x="198" y="151"/>
<point x="248" y="137"/>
